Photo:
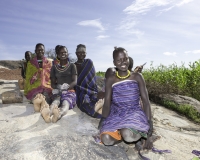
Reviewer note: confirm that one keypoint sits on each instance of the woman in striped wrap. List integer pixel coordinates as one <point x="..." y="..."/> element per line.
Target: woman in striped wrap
<point x="122" y="115"/>
<point x="86" y="88"/>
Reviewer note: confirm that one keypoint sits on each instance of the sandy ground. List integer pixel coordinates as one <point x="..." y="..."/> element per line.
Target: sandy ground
<point x="25" y="135"/>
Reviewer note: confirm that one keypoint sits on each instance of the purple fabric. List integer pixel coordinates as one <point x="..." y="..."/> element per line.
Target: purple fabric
<point x="160" y="151"/>
<point x="70" y="96"/>
<point x="142" y="157"/>
<point x="197" y="153"/>
<point x="126" y="111"/>
<point x="97" y="138"/>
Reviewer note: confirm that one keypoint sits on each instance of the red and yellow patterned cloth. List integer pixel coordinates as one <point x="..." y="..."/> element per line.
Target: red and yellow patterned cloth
<point x="37" y="79"/>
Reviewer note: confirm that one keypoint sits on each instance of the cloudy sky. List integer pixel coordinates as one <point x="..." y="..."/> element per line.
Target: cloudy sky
<point x="162" y="31"/>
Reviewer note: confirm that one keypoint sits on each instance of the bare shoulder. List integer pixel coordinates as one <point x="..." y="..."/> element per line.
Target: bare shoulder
<point x="136" y="76"/>
<point x="110" y="79"/>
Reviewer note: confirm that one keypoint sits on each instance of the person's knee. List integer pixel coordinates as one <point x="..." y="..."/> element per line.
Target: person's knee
<point x="107" y="140"/>
<point x="129" y="136"/>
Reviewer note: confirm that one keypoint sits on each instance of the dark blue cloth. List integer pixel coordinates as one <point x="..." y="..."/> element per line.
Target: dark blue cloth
<point x="86" y="89"/>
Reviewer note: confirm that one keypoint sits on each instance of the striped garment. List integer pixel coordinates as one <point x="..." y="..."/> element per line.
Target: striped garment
<point x="86" y="89"/>
<point x="69" y="96"/>
<point x="126" y="111"/>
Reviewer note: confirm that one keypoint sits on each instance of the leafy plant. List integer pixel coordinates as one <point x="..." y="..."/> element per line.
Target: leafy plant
<point x="100" y="74"/>
<point x="174" y="79"/>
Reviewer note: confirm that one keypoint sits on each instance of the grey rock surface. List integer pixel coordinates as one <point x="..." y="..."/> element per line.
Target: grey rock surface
<point x="10" y="63"/>
<point x="182" y="100"/>
<point x="25" y="135"/>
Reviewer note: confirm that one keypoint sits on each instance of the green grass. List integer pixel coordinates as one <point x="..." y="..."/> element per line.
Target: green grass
<point x="185" y="110"/>
<point x="175" y="80"/>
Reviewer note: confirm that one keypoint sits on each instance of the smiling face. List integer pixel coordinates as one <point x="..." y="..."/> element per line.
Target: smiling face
<point x="81" y="52"/>
<point x="121" y="61"/>
<point x="62" y="53"/>
<point x="81" y="55"/>
<point x="40" y="51"/>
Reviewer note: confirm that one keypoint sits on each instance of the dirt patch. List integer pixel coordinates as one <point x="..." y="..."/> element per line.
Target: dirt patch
<point x="9" y="70"/>
<point x="7" y="74"/>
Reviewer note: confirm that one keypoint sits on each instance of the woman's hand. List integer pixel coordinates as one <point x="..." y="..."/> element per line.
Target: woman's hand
<point x="149" y="141"/>
<point x="55" y="91"/>
<point x="138" y="69"/>
<point x="64" y="86"/>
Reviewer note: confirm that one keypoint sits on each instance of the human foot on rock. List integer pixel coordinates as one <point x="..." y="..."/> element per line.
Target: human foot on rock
<point x="37" y="102"/>
<point x="56" y="114"/>
<point x="98" y="106"/>
<point x="44" y="102"/>
<point x="45" y="113"/>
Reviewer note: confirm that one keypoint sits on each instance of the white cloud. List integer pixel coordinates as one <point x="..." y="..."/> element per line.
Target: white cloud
<point x="183" y="2"/>
<point x="138" y="7"/>
<point x="102" y="37"/>
<point x="176" y="3"/>
<point x="92" y="23"/>
<point x="193" y="52"/>
<point x="170" y="53"/>
<point x="143" y="6"/>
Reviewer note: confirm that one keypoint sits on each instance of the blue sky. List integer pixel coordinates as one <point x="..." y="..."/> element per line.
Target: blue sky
<point x="162" y="31"/>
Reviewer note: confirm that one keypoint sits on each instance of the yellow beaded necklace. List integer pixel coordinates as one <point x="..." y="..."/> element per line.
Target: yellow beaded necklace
<point x="117" y="74"/>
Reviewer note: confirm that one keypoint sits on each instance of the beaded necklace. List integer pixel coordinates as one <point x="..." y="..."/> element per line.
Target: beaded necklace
<point x="61" y="68"/>
<point x="117" y="74"/>
<point x="63" y="65"/>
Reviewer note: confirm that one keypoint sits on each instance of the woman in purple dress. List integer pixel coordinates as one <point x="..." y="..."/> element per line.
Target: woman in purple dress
<point x="123" y="116"/>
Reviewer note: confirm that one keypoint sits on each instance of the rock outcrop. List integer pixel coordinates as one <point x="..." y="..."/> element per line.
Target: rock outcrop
<point x="177" y="99"/>
<point x="25" y="135"/>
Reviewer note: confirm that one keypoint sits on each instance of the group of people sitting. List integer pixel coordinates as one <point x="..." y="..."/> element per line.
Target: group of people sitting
<point x="123" y="105"/>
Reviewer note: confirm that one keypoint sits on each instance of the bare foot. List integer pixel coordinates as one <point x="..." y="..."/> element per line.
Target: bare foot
<point x="56" y="114"/>
<point x="51" y="108"/>
<point x="44" y="103"/>
<point x="45" y="111"/>
<point x="98" y="106"/>
<point x="37" y="102"/>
